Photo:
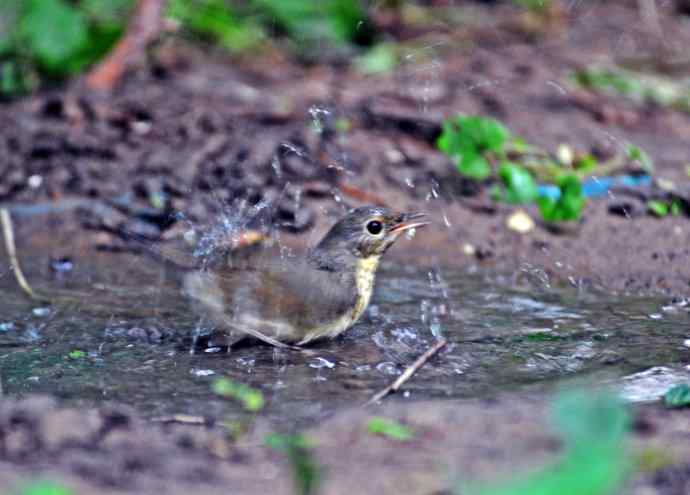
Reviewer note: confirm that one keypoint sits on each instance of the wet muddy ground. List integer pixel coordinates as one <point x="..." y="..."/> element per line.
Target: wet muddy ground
<point x="191" y="137"/>
<point x="190" y="133"/>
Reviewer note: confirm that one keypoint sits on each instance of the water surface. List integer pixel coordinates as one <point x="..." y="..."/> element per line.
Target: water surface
<point x="131" y="329"/>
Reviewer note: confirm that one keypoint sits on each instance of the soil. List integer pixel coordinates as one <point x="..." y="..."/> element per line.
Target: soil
<point x="198" y="133"/>
<point x="111" y="450"/>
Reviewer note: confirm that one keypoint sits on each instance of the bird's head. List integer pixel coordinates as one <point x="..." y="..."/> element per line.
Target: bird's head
<point x="368" y="231"/>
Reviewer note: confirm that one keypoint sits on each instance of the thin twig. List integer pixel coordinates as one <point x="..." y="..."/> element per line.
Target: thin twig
<point x="185" y="419"/>
<point x="144" y="27"/>
<point x="10" y="246"/>
<point x="409" y="371"/>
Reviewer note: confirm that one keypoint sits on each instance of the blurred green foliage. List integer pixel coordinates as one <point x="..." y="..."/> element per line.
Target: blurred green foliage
<point x="592" y="426"/>
<point x="568" y="205"/>
<point x="637" y="86"/>
<point x="250" y="398"/>
<point x="305" y="470"/>
<point x="54" y="39"/>
<point x="45" y="488"/>
<point x="483" y="148"/>
<point x="217" y="21"/>
<point x="389" y="428"/>
<point x="471" y="141"/>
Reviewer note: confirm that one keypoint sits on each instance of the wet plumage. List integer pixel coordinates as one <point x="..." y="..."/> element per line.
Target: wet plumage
<point x="298" y="299"/>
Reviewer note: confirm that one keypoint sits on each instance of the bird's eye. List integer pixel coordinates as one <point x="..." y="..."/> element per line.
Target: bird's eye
<point x="374" y="227"/>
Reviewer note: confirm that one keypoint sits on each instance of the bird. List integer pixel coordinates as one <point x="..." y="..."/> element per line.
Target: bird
<point x="291" y="301"/>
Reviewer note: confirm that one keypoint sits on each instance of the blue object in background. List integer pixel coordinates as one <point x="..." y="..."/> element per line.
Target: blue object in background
<point x="599" y="186"/>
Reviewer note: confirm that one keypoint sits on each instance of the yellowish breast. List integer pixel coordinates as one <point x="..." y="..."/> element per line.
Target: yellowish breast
<point x="364" y="280"/>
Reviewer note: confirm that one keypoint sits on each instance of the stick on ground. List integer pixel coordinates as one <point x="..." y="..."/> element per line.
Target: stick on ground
<point x="409" y="371"/>
<point x="185" y="419"/>
<point x="10" y="246"/>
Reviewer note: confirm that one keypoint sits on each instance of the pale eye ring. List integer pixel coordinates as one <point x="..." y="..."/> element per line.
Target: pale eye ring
<point x="374" y="227"/>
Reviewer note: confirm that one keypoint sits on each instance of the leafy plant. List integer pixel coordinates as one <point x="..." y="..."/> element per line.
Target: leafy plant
<point x="54" y="38"/>
<point x="592" y="426"/>
<point x="569" y="203"/>
<point x="250" y="398"/>
<point x="678" y="396"/>
<point x="483" y="148"/>
<point x="389" y="428"/>
<point x="470" y="140"/>
<point x="519" y="184"/>
<point x="306" y="471"/>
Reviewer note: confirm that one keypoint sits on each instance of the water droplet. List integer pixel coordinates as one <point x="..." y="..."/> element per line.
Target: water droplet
<point x="6" y="326"/>
<point x="197" y="372"/>
<point x="41" y="311"/>
<point x="388" y="368"/>
<point x="320" y="362"/>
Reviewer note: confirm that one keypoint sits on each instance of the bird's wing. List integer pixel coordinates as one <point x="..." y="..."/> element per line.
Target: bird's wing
<point x="277" y="302"/>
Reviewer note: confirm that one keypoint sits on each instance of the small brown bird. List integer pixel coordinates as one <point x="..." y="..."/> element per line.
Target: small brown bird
<point x="295" y="300"/>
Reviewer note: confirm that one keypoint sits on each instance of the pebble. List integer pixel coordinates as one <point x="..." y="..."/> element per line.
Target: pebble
<point x="520" y="222"/>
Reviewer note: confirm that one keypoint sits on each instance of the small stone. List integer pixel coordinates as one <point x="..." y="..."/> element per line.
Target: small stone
<point x="520" y="222"/>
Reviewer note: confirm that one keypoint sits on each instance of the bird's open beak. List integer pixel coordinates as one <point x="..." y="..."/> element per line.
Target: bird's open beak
<point x="409" y="221"/>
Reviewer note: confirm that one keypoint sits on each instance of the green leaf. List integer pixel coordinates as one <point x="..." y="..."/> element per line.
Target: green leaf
<point x="252" y="399"/>
<point x="474" y="166"/>
<point x="469" y="140"/>
<point x="54" y="31"/>
<point x="45" y="488"/>
<point x="389" y="428"/>
<point x="305" y="470"/>
<point x="585" y="163"/>
<point x="658" y="208"/>
<point x="519" y="184"/>
<point x="568" y="206"/>
<point x="76" y="354"/>
<point x="678" y="396"/>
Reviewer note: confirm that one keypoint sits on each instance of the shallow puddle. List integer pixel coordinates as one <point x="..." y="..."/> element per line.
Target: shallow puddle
<point x="125" y="337"/>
